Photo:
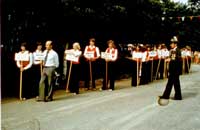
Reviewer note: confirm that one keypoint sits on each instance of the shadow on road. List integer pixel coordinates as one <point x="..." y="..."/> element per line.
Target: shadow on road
<point x="187" y="95"/>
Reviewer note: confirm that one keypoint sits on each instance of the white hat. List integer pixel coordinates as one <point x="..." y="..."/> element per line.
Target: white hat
<point x="174" y="39"/>
<point x="130" y="45"/>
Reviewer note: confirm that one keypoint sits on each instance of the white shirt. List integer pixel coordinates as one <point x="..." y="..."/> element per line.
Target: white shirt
<point x="199" y="55"/>
<point x="188" y="53"/>
<point x="159" y="53"/>
<point x="36" y="55"/>
<point x="52" y="58"/>
<point x="144" y="56"/>
<point x="30" y="59"/>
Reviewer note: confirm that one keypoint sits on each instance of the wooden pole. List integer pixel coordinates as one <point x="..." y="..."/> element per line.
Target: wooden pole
<point x="137" y="71"/>
<point x="106" y="74"/>
<point x="165" y="69"/>
<point x="151" y="70"/>
<point x="41" y="69"/>
<point x="70" y="68"/>
<point x="20" y="82"/>
<point x="187" y="64"/>
<point x="157" y="68"/>
<point x="90" y="64"/>
<point x="183" y="67"/>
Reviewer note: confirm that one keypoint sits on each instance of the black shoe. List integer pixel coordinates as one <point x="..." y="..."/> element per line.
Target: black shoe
<point x="161" y="97"/>
<point x="177" y="98"/>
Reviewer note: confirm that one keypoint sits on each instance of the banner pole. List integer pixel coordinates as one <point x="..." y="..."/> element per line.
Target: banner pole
<point x="70" y="68"/>
<point x="106" y="74"/>
<point x="157" y="68"/>
<point x="20" y="83"/>
<point x="90" y="64"/>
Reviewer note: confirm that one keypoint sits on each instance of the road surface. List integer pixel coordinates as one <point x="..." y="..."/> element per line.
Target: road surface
<point x="126" y="108"/>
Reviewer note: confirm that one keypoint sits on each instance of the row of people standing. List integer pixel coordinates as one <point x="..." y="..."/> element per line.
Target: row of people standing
<point x="149" y="63"/>
<point x="36" y="71"/>
<point x="91" y="55"/>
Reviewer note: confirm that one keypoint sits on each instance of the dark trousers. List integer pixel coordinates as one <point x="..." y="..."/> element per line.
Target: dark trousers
<point x="161" y="69"/>
<point x="145" y="73"/>
<point x="36" y="75"/>
<point x="187" y="64"/>
<point x="150" y="70"/>
<point x="27" y="84"/>
<point x="74" y="78"/>
<point x="111" y="71"/>
<point x="87" y="74"/>
<point x="134" y="73"/>
<point x="173" y="80"/>
<point x="155" y="65"/>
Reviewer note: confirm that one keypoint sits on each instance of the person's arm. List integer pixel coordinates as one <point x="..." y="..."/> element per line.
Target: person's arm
<point x="17" y="60"/>
<point x="115" y="55"/>
<point x="144" y="56"/>
<point x="85" y="51"/>
<point x="18" y="64"/>
<point x="98" y="52"/>
<point x="77" y="53"/>
<point x="56" y="58"/>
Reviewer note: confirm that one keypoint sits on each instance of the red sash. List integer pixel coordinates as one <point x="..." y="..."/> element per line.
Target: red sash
<point x="113" y="52"/>
<point x="92" y="50"/>
<point x="24" y="63"/>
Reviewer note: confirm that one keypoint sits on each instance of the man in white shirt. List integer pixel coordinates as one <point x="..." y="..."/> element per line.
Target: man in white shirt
<point x="50" y="63"/>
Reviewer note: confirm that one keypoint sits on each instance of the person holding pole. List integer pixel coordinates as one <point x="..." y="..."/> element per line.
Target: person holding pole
<point x="136" y="57"/>
<point x="188" y="59"/>
<point x="24" y="62"/>
<point x="110" y="60"/>
<point x="37" y="67"/>
<point x="144" y="68"/>
<point x="50" y="63"/>
<point x="184" y="63"/>
<point x="155" y="61"/>
<point x="91" y="54"/>
<point x="174" y="73"/>
<point x="73" y="76"/>
<point x="160" y="66"/>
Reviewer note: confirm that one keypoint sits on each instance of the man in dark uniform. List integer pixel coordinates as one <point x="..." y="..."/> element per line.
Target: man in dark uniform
<point x="174" y="72"/>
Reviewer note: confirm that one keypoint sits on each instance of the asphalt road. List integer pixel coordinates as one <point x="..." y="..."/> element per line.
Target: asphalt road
<point x="126" y="108"/>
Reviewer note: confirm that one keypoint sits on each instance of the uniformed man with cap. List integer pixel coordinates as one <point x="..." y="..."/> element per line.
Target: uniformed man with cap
<point x="174" y="72"/>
